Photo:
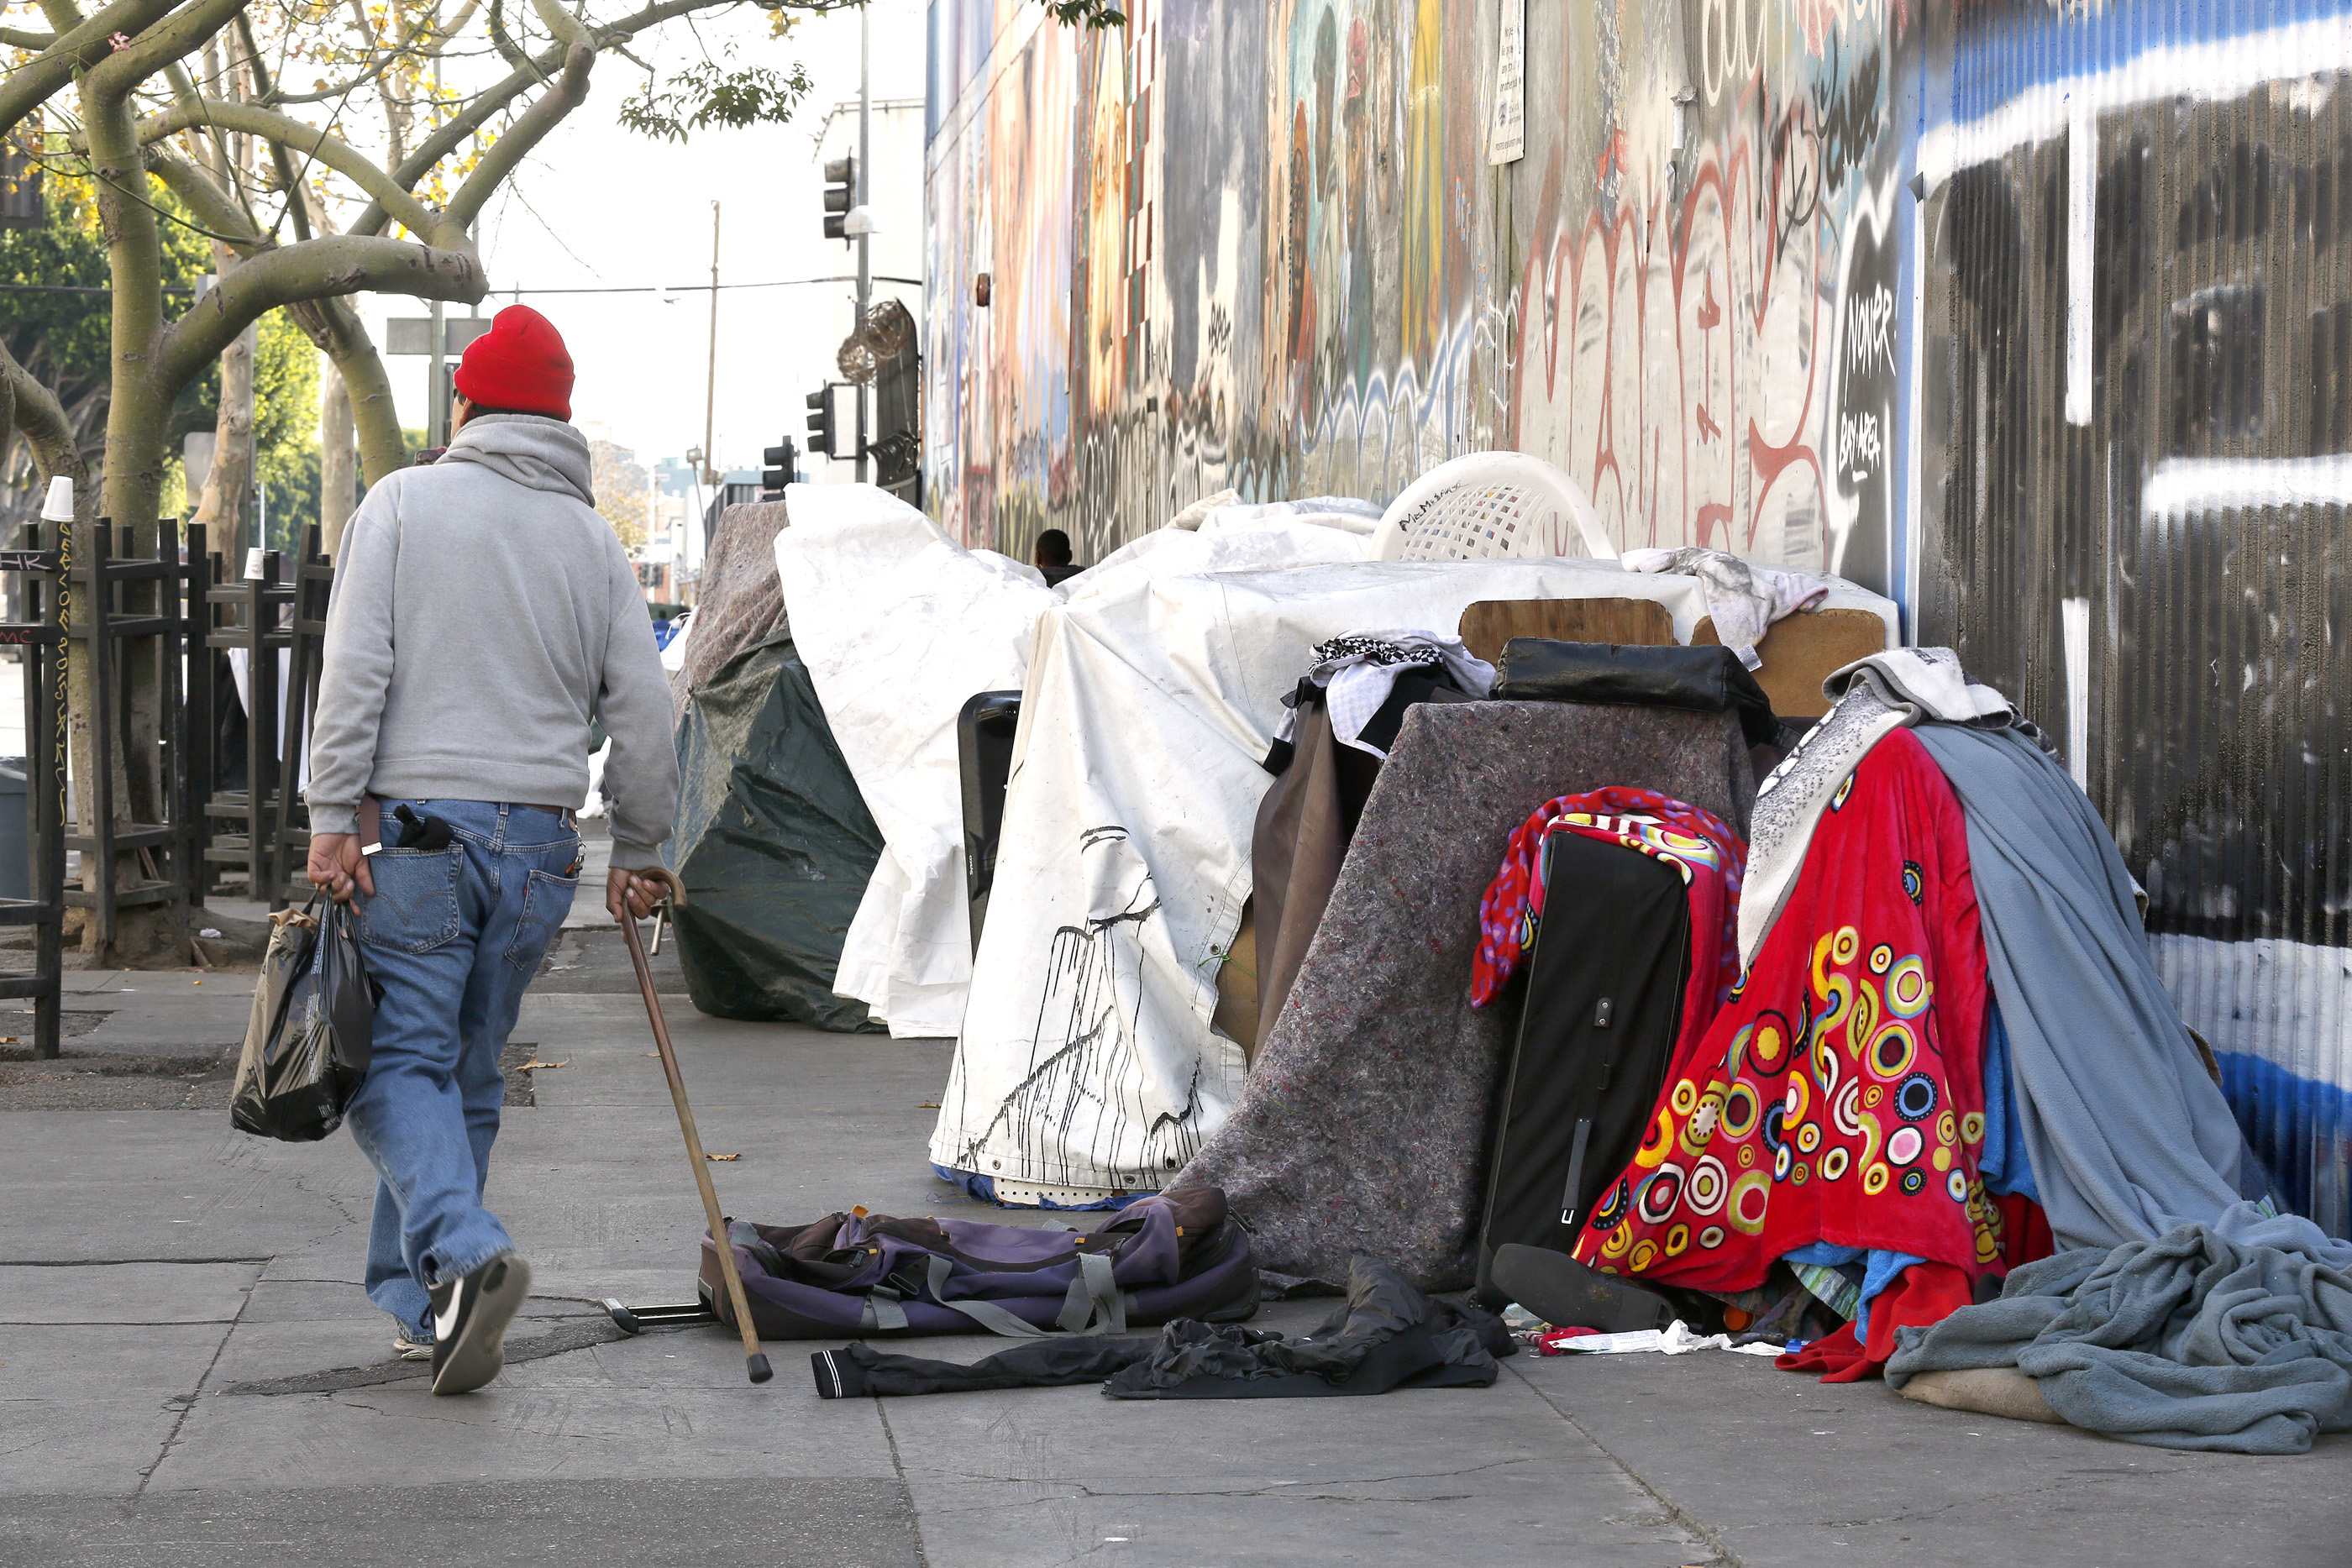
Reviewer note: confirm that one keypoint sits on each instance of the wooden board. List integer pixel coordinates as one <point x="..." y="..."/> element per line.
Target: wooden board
<point x="1491" y="623"/>
<point x="1803" y="650"/>
<point x="1799" y="651"/>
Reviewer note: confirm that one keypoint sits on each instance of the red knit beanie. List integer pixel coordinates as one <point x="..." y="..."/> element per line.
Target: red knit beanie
<point x="519" y="365"/>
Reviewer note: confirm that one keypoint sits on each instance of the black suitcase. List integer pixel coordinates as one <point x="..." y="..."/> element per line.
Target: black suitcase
<point x="1604" y="1003"/>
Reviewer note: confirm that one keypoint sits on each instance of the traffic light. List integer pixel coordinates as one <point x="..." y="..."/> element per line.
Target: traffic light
<point x="819" y="421"/>
<point x="840" y="192"/>
<point x="783" y="465"/>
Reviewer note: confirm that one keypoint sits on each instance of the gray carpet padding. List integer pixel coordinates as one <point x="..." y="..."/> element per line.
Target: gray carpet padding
<point x="1365" y="1122"/>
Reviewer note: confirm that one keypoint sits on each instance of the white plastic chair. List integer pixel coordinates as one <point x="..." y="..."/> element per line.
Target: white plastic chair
<point x="1488" y="505"/>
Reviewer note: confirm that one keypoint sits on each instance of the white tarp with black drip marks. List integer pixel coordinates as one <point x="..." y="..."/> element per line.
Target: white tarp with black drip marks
<point x="900" y="627"/>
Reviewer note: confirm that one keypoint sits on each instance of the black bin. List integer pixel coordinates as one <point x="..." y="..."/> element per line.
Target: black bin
<point x="984" y="731"/>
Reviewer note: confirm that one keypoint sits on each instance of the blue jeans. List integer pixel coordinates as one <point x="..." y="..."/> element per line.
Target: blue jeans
<point x="454" y="936"/>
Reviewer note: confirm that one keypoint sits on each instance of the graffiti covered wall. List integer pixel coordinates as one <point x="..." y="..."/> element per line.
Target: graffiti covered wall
<point x="1263" y="247"/>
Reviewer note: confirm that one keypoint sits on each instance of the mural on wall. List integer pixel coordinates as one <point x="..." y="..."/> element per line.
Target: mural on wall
<point x="1280" y="261"/>
<point x="1707" y="337"/>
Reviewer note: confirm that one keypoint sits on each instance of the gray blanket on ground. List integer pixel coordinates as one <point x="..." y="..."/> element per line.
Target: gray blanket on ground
<point x="2235" y="1336"/>
<point x="1364" y="1125"/>
<point x="2128" y="1136"/>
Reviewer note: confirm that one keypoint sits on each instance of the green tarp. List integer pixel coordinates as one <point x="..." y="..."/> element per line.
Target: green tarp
<point x="774" y="844"/>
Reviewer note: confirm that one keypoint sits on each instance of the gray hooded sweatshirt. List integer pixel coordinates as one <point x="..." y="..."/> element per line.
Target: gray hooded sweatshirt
<point x="483" y="613"/>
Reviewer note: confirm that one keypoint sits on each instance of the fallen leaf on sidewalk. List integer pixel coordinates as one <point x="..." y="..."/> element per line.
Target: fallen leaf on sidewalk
<point x="721" y="1159"/>
<point x="929" y="1105"/>
<point x="534" y="1064"/>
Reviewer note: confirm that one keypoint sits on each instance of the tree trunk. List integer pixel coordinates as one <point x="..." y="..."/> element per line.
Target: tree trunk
<point x="338" y="463"/>
<point x="138" y="413"/>
<point x="227" y="507"/>
<point x="334" y="325"/>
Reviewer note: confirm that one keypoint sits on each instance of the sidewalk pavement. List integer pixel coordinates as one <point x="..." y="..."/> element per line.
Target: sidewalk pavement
<point x="172" y="1292"/>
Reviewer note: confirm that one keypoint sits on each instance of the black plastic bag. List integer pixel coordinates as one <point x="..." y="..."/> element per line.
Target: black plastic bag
<point x="307" y="1042"/>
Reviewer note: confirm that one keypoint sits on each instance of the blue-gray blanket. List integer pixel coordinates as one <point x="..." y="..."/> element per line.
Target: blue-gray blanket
<point x="2235" y="1336"/>
<point x="2128" y="1136"/>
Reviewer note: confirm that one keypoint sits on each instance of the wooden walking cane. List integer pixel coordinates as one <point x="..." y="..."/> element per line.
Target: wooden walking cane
<point x="755" y="1360"/>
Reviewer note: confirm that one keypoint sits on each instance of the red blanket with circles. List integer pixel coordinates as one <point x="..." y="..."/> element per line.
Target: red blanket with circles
<point x="1839" y="1096"/>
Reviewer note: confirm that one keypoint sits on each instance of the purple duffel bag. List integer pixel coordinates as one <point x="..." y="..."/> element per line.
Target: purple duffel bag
<point x="859" y="1275"/>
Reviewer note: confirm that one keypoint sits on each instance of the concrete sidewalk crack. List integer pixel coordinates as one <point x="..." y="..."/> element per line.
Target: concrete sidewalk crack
<point x="1723" y="1557"/>
<point x="882" y="1409"/>
<point x="1276" y="1489"/>
<point x="119" y="1262"/>
<point x="187" y="1408"/>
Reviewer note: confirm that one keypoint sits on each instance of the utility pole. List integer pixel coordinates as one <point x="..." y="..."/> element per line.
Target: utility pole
<point x="711" y="383"/>
<point x="865" y="187"/>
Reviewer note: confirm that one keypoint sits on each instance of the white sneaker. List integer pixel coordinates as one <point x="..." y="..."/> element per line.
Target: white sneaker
<point x="470" y="1323"/>
<point x="408" y="1349"/>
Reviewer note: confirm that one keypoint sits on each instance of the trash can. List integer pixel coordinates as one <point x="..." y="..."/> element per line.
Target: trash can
<point x="16" y="857"/>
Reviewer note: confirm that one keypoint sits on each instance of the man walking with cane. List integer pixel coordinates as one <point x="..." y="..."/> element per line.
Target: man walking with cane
<point x="483" y="615"/>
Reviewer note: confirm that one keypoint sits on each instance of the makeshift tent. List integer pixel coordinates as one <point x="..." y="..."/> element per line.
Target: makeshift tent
<point x="1087" y="1067"/>
<point x="773" y="842"/>
<point x="901" y="626"/>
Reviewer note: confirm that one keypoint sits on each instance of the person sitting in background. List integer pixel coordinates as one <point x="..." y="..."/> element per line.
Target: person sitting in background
<point x="1053" y="558"/>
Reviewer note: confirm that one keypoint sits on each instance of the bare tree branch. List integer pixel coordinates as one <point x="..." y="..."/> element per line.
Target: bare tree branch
<point x="215" y="211"/>
<point x="18" y="38"/>
<point x="508" y="50"/>
<point x="569" y="91"/>
<point x="114" y="77"/>
<point x="34" y="410"/>
<point x="315" y="269"/>
<point x="296" y="207"/>
<point x="487" y="105"/>
<point x="335" y="328"/>
<point x="78" y="48"/>
<point x="285" y="130"/>
<point x="561" y="25"/>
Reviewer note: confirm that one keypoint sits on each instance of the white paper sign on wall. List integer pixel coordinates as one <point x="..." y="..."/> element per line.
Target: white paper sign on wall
<point x="1506" y="135"/>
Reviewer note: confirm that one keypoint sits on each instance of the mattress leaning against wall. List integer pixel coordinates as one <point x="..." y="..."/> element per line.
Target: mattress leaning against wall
<point x="2137" y="272"/>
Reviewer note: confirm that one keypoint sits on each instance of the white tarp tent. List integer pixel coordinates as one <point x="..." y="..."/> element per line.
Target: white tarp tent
<point x="1086" y="1065"/>
<point x="900" y="627"/>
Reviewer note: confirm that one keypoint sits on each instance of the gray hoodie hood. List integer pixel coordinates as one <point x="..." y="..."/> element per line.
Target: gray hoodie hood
<point x="531" y="449"/>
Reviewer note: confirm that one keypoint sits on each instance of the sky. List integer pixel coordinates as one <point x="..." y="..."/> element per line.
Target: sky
<point x="596" y="205"/>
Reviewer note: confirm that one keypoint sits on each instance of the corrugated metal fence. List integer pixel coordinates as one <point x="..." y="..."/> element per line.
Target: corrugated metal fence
<point x="2139" y="303"/>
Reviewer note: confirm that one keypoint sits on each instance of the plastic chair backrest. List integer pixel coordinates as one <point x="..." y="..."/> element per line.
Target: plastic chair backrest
<point x="1490" y="505"/>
